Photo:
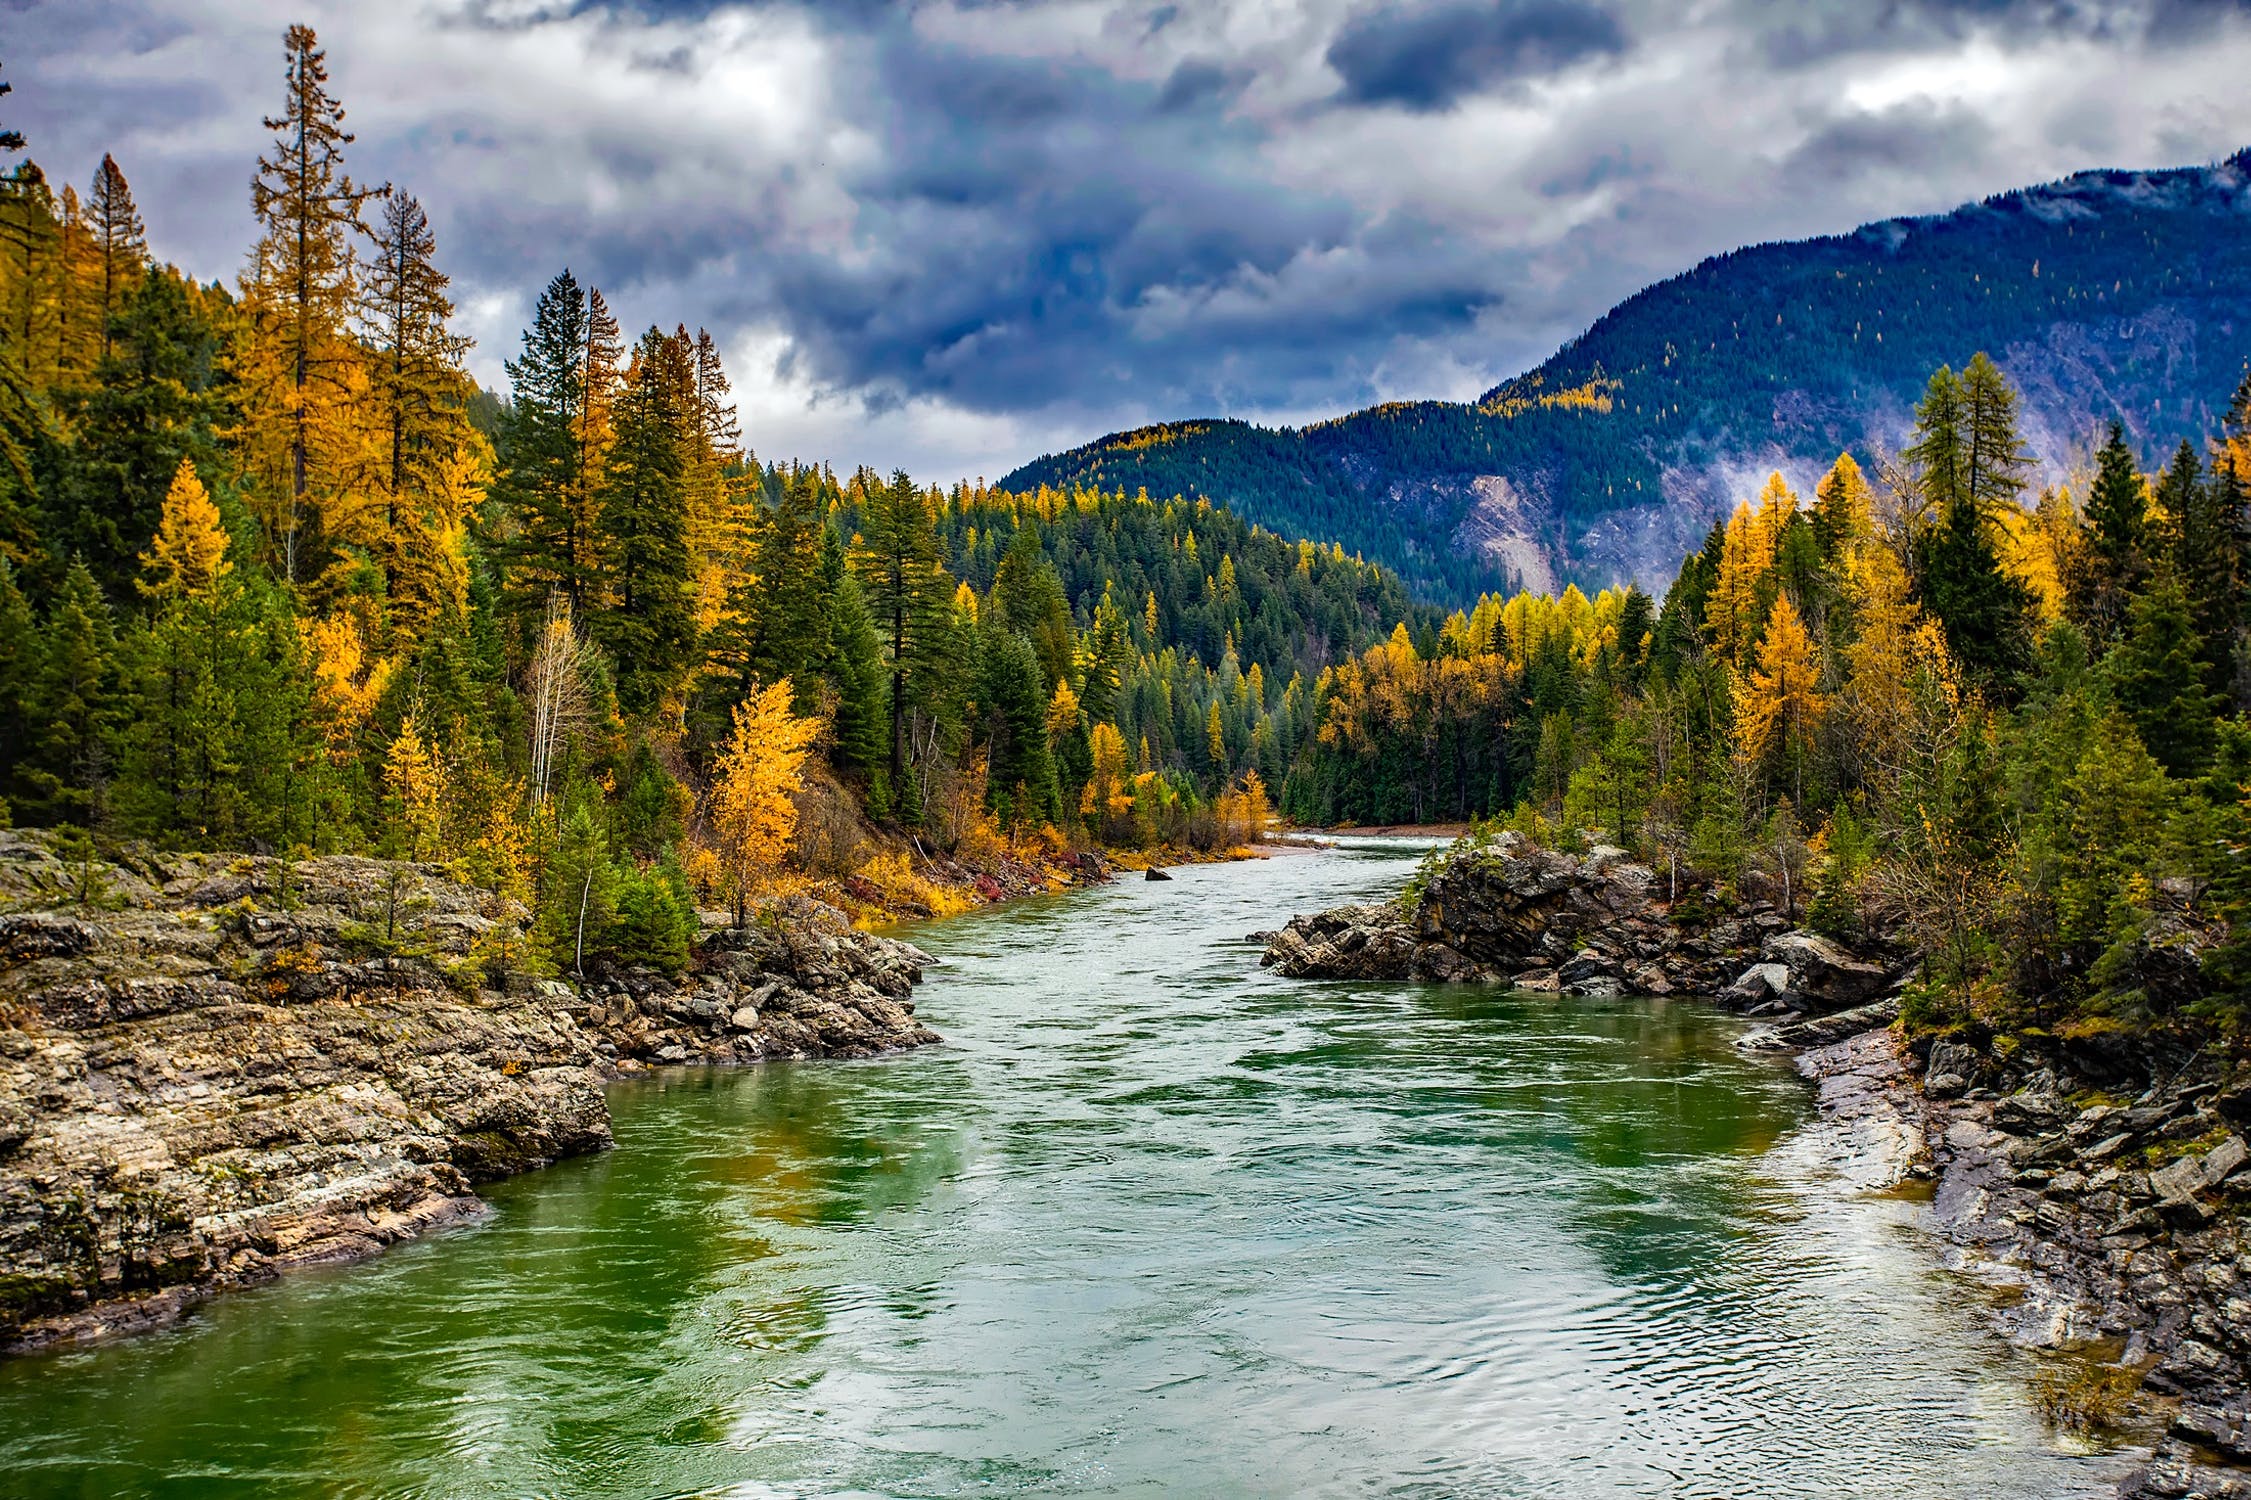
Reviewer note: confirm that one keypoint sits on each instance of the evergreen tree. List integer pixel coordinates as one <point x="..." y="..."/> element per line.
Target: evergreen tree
<point x="2117" y="556"/>
<point x="1935" y="457"/>
<point x="1994" y="460"/>
<point x="647" y="628"/>
<point x="297" y="370"/>
<point x="417" y="387"/>
<point x="783" y="602"/>
<point x="853" y="664"/>
<point x="2158" y="678"/>
<point x="120" y="243"/>
<point x="1033" y="604"/>
<point x="1969" y="464"/>
<point x="2208" y="535"/>
<point x="150" y="405"/>
<point x="1987" y="615"/>
<point x="1110" y="655"/>
<point x="901" y="568"/>
<point x="551" y="543"/>
<point x="75" y="712"/>
<point x="1021" y="783"/>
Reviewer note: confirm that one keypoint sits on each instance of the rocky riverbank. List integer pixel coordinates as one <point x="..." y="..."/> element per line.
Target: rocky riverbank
<point x="1498" y="910"/>
<point x="2105" y="1196"/>
<point x="217" y="1068"/>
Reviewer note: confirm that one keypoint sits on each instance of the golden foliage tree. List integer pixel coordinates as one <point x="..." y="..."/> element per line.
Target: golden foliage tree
<point x="300" y="374"/>
<point x="753" y="817"/>
<point x="1783" y="702"/>
<point x="416" y="779"/>
<point x="189" y="554"/>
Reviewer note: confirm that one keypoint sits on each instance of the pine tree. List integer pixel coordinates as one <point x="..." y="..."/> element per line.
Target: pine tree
<point x="782" y="606"/>
<point x="2158" y="678"/>
<point x="1109" y="656"/>
<point x="646" y="626"/>
<point x="1842" y="506"/>
<point x="1021" y="782"/>
<point x="1935" y="458"/>
<point x="2206" y="515"/>
<point x="1033" y="603"/>
<point x="151" y="404"/>
<point x="119" y="241"/>
<point x="853" y="664"/>
<point x="1969" y="464"/>
<point x="417" y="387"/>
<point x="553" y="544"/>
<point x="75" y="710"/>
<point x="901" y="568"/>
<point x="1987" y="615"/>
<point x="2116" y="561"/>
<point x="300" y="367"/>
<point x="19" y="676"/>
<point x="1994" y="460"/>
<point x="32" y="236"/>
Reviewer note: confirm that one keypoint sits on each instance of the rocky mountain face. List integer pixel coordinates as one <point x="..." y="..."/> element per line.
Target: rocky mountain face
<point x="216" y="1068"/>
<point x="2108" y="294"/>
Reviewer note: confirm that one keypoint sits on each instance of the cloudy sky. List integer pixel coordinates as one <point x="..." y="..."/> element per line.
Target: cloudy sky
<point x="953" y="235"/>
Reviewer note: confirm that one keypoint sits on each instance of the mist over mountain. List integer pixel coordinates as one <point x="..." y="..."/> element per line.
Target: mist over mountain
<point x="2107" y="294"/>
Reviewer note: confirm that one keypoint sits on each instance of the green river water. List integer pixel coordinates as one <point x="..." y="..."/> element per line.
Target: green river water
<point x="1151" y="1223"/>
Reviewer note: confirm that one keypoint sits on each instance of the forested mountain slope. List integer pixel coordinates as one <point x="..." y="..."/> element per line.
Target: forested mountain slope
<point x="2108" y="294"/>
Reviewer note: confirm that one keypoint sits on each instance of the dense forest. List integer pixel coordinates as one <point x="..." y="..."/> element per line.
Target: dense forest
<point x="2012" y="738"/>
<point x="2107" y="295"/>
<point x="276" y="575"/>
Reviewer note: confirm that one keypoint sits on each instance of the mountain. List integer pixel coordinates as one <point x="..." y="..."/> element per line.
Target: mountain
<point x="2107" y="294"/>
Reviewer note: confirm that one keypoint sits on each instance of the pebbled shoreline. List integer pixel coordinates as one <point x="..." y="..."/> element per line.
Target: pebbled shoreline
<point x="228" y="1069"/>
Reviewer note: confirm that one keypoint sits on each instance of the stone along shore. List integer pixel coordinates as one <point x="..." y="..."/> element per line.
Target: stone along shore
<point x="2104" y="1194"/>
<point x="229" y="1067"/>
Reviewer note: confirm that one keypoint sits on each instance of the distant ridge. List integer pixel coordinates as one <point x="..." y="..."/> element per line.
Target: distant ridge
<point x="2106" y="293"/>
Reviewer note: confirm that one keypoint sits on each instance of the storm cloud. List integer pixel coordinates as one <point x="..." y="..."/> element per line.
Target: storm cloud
<point x="950" y="234"/>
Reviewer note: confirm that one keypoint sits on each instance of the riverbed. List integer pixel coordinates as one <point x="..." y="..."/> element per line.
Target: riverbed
<point x="1152" y="1222"/>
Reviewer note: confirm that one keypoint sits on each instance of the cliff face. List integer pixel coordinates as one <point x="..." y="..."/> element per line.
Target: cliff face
<point x="225" y="1068"/>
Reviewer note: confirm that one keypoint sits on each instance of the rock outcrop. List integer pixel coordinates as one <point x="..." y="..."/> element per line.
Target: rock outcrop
<point x="2118" y="1225"/>
<point x="226" y="1067"/>
<point x="1498" y="910"/>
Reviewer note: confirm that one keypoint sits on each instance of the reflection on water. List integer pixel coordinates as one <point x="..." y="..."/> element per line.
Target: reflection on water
<point x="1152" y="1223"/>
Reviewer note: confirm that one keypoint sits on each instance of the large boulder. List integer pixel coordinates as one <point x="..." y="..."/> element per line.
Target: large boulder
<point x="1495" y="908"/>
<point x="1824" y="975"/>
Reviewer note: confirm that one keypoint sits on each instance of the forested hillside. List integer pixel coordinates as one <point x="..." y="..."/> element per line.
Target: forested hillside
<point x="275" y="575"/>
<point x="2109" y="295"/>
<point x="1914" y="712"/>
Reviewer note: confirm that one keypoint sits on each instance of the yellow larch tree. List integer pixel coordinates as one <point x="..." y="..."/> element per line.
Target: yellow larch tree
<point x="304" y="389"/>
<point x="416" y="778"/>
<point x="1746" y="557"/>
<point x="1782" y="702"/>
<point x="1107" y="802"/>
<point x="188" y="557"/>
<point x="753" y="814"/>
<point x="347" y="682"/>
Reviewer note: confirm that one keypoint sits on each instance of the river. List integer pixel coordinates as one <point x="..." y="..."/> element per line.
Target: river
<point x="1151" y="1223"/>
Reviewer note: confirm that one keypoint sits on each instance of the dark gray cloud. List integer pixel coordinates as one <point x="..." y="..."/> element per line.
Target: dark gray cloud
<point x="1816" y="31"/>
<point x="949" y="233"/>
<point x="1427" y="56"/>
